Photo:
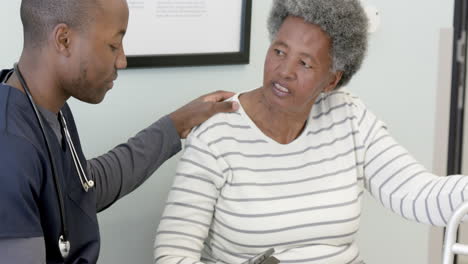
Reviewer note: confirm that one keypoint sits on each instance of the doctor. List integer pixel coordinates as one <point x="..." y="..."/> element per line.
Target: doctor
<point x="49" y="192"/>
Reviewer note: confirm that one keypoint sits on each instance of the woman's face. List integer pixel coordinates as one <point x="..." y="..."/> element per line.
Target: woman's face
<point x="297" y="67"/>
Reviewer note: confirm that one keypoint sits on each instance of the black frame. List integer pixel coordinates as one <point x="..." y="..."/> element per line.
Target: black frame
<point x="241" y="57"/>
<point x="457" y="101"/>
<point x="458" y="89"/>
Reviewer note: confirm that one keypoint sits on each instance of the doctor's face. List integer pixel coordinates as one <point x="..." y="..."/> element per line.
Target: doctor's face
<point x="99" y="53"/>
<point x="297" y="67"/>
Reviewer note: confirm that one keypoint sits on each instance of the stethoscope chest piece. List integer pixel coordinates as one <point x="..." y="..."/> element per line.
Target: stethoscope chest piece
<point x="64" y="247"/>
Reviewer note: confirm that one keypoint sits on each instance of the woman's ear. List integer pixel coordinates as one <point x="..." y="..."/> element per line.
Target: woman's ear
<point x="62" y="39"/>
<point x="335" y="78"/>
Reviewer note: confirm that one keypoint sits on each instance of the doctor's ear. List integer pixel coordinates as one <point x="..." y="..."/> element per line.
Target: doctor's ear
<point x="62" y="39"/>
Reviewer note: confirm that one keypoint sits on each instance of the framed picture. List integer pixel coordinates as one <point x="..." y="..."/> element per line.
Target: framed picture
<point x="188" y="32"/>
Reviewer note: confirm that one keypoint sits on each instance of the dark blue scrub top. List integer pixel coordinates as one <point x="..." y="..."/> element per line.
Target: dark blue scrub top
<point x="28" y="199"/>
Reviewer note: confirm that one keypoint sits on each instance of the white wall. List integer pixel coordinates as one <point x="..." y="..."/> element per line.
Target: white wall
<point x="398" y="82"/>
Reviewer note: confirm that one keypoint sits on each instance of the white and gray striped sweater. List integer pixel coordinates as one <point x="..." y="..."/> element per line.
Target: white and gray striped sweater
<point x="237" y="192"/>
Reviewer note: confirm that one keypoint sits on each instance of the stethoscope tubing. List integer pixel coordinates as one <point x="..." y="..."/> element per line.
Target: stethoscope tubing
<point x="58" y="189"/>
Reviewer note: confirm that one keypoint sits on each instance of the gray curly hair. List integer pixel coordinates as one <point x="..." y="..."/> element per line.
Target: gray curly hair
<point x="345" y="21"/>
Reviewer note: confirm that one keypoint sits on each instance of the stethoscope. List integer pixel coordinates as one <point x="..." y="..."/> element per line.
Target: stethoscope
<point x="63" y="243"/>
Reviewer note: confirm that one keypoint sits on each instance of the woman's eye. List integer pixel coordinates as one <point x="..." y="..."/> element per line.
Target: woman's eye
<point x="113" y="48"/>
<point x="305" y="64"/>
<point x="279" y="52"/>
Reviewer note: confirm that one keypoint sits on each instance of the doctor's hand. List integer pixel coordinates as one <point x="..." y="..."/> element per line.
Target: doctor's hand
<point x="200" y="109"/>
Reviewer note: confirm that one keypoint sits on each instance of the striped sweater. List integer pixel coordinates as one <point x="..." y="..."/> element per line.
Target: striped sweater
<point x="237" y="192"/>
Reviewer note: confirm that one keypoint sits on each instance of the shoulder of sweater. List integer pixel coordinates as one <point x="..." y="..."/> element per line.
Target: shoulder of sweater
<point x="220" y="120"/>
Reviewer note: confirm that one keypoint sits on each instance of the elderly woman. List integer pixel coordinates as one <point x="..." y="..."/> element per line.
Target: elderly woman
<point x="288" y="169"/>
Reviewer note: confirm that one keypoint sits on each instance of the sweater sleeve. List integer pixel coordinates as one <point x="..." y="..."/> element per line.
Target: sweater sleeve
<point x="127" y="166"/>
<point x="190" y="206"/>
<point x="399" y="182"/>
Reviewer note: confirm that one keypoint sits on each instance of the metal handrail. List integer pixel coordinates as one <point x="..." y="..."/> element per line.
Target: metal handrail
<point x="451" y="247"/>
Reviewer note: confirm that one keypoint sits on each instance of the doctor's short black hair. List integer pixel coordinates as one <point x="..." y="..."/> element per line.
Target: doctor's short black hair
<point x="345" y="21"/>
<point x="39" y="17"/>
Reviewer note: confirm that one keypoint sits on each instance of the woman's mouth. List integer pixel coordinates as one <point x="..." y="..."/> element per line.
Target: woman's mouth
<point x="280" y="90"/>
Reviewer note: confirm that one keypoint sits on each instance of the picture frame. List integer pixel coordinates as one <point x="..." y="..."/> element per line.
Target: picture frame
<point x="168" y="33"/>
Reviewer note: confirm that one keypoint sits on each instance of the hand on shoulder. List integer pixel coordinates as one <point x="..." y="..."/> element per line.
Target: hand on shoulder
<point x="201" y="109"/>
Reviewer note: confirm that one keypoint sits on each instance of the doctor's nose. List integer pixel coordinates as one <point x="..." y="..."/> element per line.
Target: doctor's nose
<point x="121" y="62"/>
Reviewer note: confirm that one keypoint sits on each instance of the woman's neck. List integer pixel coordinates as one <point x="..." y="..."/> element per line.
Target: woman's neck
<point x="280" y="126"/>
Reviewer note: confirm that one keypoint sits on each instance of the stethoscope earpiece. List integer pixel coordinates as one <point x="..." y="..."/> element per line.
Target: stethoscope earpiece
<point x="87" y="184"/>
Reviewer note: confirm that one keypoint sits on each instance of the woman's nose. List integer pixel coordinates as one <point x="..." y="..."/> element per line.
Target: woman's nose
<point x="288" y="70"/>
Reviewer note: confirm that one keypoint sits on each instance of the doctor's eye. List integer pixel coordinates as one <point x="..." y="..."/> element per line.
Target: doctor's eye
<point x="113" y="48"/>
